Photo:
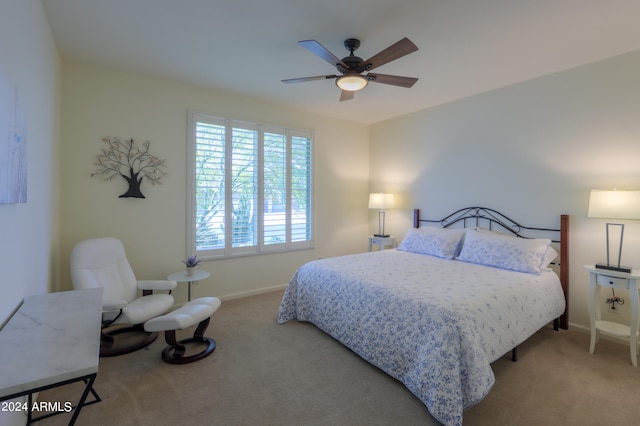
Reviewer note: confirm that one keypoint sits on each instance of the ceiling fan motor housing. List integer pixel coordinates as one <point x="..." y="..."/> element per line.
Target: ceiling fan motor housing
<point x="352" y="61"/>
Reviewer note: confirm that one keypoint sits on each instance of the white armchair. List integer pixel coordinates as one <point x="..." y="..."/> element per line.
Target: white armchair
<point x="102" y="262"/>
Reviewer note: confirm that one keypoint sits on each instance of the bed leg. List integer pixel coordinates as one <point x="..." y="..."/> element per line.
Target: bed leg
<point x="514" y="354"/>
<point x="556" y="324"/>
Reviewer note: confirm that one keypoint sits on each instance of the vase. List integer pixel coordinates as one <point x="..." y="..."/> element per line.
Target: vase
<point x="190" y="270"/>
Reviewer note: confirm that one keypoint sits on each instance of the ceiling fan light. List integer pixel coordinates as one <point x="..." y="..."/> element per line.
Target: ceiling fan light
<point x="352" y="83"/>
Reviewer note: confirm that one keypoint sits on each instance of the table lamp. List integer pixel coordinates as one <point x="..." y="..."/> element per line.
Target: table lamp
<point x="614" y="205"/>
<point x="381" y="201"/>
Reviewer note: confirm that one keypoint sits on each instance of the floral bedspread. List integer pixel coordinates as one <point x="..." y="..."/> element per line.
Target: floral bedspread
<point x="434" y="324"/>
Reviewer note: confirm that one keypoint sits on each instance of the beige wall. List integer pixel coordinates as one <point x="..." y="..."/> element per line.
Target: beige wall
<point x="532" y="150"/>
<point x="98" y="102"/>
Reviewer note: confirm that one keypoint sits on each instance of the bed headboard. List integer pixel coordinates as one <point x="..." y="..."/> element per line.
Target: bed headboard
<point x="493" y="220"/>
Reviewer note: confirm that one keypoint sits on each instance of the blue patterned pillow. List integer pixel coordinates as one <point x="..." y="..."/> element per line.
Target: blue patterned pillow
<point x="501" y="251"/>
<point x="439" y="242"/>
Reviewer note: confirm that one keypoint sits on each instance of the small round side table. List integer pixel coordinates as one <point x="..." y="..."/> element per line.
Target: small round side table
<point x="182" y="277"/>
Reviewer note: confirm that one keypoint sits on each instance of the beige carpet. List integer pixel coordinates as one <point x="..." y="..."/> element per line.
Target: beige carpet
<point x="263" y="373"/>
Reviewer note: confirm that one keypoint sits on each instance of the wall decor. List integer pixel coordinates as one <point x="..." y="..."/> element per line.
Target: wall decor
<point x="132" y="162"/>
<point x="13" y="145"/>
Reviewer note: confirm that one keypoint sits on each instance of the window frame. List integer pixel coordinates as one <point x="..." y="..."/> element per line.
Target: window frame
<point x="259" y="248"/>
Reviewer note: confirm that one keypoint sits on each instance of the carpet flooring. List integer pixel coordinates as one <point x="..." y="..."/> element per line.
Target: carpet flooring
<point x="262" y="373"/>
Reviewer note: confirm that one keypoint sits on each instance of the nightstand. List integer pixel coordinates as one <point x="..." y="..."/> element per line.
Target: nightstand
<point x="382" y="242"/>
<point x="612" y="279"/>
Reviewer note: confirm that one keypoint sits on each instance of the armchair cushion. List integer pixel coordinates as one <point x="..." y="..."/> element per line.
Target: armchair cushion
<point x="113" y="305"/>
<point x="142" y="309"/>
<point x="156" y="284"/>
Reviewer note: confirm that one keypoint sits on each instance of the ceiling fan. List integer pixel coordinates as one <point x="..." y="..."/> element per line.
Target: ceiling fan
<point x="351" y="68"/>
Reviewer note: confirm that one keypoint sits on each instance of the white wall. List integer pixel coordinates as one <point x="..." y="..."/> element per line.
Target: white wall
<point x="29" y="232"/>
<point x="98" y="102"/>
<point x="532" y="150"/>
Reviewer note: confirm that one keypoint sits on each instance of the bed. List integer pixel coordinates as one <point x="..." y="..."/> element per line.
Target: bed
<point x="435" y="312"/>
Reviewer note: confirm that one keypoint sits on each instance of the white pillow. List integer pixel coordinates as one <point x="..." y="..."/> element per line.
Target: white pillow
<point x="501" y="251"/>
<point x="549" y="256"/>
<point x="439" y="242"/>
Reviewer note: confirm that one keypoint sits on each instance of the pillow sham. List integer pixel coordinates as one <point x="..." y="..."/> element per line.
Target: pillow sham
<point x="501" y="251"/>
<point x="549" y="256"/>
<point x="440" y="242"/>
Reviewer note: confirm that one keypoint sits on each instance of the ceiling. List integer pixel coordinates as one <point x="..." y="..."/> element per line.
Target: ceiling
<point x="246" y="47"/>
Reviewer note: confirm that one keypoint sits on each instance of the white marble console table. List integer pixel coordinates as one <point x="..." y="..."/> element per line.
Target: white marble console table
<point x="52" y="339"/>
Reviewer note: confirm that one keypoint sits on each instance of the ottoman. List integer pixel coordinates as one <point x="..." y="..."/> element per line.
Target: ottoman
<point x="189" y="314"/>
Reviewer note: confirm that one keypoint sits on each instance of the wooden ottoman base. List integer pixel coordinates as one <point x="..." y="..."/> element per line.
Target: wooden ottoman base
<point x="174" y="353"/>
<point x="197" y="311"/>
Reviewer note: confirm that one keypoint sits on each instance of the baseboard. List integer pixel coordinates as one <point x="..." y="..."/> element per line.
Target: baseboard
<point x="253" y="292"/>
<point x="580" y="328"/>
<point x="243" y="294"/>
<point x="603" y="336"/>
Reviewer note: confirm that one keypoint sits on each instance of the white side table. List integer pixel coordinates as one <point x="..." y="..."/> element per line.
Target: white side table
<point x="382" y="242"/>
<point x="612" y="279"/>
<point x="182" y="277"/>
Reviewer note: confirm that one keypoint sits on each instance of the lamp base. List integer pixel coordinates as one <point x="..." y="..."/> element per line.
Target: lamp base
<point x="626" y="269"/>
<point x="381" y="235"/>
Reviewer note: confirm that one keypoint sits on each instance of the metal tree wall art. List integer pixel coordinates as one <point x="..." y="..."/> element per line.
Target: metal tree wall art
<point x="131" y="162"/>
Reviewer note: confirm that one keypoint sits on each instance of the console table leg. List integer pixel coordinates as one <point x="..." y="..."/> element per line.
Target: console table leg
<point x="88" y="388"/>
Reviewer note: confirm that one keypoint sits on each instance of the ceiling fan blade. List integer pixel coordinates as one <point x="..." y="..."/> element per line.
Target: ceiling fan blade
<point x="391" y="53"/>
<point x="303" y="79"/>
<point x="321" y="51"/>
<point x="346" y="95"/>
<point x="394" y="80"/>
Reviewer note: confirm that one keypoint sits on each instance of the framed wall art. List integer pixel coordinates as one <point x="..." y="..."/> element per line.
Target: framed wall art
<point x="13" y="145"/>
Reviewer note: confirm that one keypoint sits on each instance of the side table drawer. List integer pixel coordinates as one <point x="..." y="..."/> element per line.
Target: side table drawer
<point x="382" y="242"/>
<point x="616" y="282"/>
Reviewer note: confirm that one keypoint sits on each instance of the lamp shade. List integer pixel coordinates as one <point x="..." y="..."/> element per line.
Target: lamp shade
<point x="381" y="201"/>
<point x="614" y="204"/>
<point x="351" y="83"/>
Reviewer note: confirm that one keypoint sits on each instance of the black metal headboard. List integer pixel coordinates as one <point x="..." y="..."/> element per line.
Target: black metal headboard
<point x="485" y="218"/>
<point x="490" y="219"/>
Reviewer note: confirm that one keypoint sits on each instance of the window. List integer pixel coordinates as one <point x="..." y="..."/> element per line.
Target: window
<point x="250" y="188"/>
